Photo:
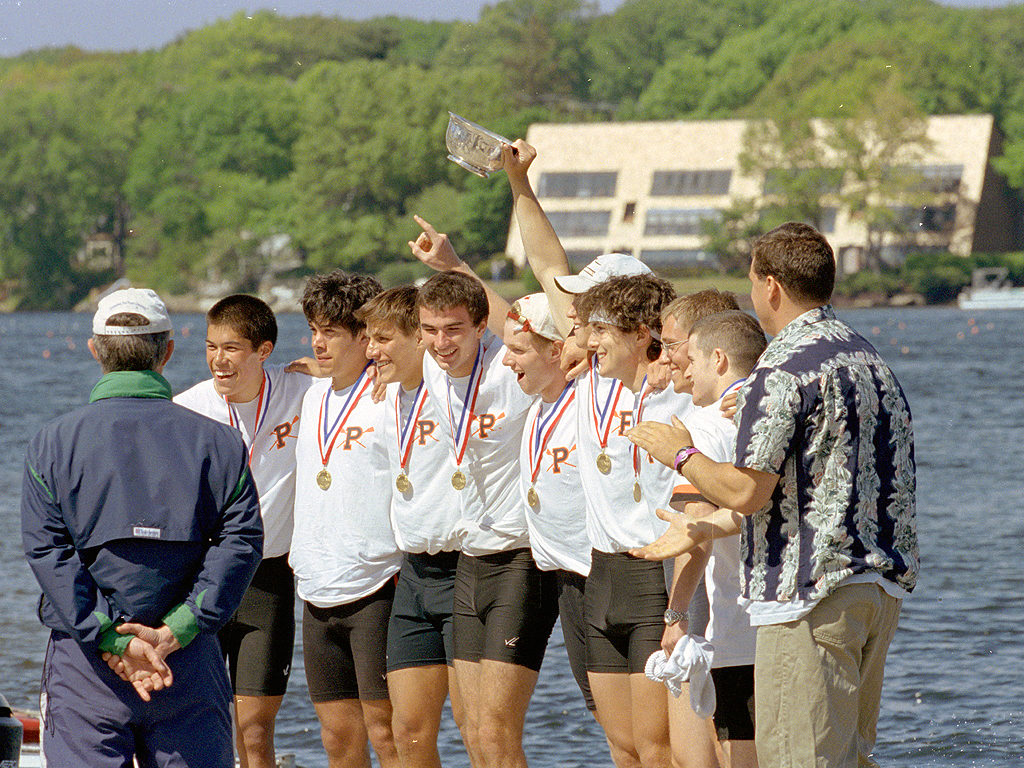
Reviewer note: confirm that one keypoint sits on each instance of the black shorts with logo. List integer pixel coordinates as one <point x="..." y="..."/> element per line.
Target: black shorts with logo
<point x="259" y="639"/>
<point x="624" y="608"/>
<point x="505" y="608"/>
<point x="420" y="629"/>
<point x="574" y="628"/>
<point x="734" y="710"/>
<point x="344" y="647"/>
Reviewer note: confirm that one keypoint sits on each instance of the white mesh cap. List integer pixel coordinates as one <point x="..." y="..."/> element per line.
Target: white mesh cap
<point x="600" y="269"/>
<point x="139" y="301"/>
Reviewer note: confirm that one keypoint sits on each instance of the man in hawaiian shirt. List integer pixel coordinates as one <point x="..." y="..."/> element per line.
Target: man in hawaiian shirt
<point x="823" y="489"/>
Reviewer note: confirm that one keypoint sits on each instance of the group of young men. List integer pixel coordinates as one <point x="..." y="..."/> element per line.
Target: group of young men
<point x="458" y="473"/>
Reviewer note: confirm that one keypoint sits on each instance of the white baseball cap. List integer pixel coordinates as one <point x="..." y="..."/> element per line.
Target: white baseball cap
<point x="600" y="269"/>
<point x="139" y="301"/>
<point x="533" y="313"/>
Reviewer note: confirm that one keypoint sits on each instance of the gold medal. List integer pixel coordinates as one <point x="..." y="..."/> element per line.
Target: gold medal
<point x="532" y="498"/>
<point x="402" y="483"/>
<point x="636" y="491"/>
<point x="458" y="480"/>
<point x="604" y="464"/>
<point x="323" y="479"/>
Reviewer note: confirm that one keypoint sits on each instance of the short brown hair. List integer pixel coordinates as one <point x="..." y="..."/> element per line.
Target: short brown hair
<point x="249" y="316"/>
<point x="686" y="310"/>
<point x="629" y="302"/>
<point x="800" y="258"/>
<point x="332" y="298"/>
<point x="734" y="332"/>
<point x="450" y="290"/>
<point x="139" y="352"/>
<point x="394" y="307"/>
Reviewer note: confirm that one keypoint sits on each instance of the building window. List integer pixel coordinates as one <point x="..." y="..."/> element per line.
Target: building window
<point x="580" y="223"/>
<point x="821" y="181"/>
<point x="679" y="221"/>
<point x="681" y="257"/>
<point x="697" y="182"/>
<point x="600" y="184"/>
<point x="940" y="179"/>
<point x="927" y="218"/>
<point x="629" y="213"/>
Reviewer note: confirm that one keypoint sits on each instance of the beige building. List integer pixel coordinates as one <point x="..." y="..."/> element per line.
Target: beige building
<point x="646" y="188"/>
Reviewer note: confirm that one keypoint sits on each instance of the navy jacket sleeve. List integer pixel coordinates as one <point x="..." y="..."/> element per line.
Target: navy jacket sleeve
<point x="72" y="594"/>
<point x="234" y="553"/>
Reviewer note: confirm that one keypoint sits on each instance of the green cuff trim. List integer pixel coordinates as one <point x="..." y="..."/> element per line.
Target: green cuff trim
<point x="112" y="642"/>
<point x="39" y="479"/>
<point x="182" y="623"/>
<point x="238" y="488"/>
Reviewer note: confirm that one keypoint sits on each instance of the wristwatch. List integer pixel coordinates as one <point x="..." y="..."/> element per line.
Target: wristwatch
<point x="683" y="456"/>
<point x="673" y="616"/>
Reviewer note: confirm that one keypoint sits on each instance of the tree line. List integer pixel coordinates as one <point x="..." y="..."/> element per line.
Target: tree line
<point x="188" y="158"/>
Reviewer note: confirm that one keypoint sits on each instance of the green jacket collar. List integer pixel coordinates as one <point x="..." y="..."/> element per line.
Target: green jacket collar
<point x="131" y="384"/>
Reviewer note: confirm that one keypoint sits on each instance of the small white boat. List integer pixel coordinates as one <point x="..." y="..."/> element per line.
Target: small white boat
<point x="990" y="289"/>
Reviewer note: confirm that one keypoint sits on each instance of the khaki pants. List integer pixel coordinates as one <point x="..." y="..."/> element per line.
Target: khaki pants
<point x="818" y="681"/>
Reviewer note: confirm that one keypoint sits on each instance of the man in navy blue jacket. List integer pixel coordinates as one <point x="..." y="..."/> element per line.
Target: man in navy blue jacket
<point x="141" y="523"/>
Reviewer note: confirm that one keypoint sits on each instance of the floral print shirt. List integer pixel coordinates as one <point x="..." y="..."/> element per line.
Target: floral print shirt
<point x="822" y="410"/>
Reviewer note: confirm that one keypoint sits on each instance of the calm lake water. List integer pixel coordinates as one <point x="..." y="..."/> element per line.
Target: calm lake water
<point x="954" y="689"/>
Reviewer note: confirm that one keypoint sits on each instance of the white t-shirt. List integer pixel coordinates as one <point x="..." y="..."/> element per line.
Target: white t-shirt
<point x="656" y="480"/>
<point x="492" y="517"/>
<point x="616" y="522"/>
<point x="425" y="516"/>
<point x="343" y="547"/>
<point x="729" y="628"/>
<point x="557" y="524"/>
<point x="272" y="448"/>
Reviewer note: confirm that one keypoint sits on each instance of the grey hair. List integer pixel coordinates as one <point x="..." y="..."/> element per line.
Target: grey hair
<point x="141" y="352"/>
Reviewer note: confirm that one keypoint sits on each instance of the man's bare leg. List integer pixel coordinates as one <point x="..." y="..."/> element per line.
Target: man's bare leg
<point x="650" y="721"/>
<point x="254" y="730"/>
<point x="693" y="738"/>
<point x="417" y="699"/>
<point x="740" y="753"/>
<point x="377" y="716"/>
<point x="612" y="694"/>
<point x="502" y="699"/>
<point x="343" y="733"/>
<point x="467" y="682"/>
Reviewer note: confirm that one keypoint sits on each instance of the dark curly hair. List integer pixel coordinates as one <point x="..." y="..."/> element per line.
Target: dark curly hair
<point x="629" y="302"/>
<point x="332" y="298"/>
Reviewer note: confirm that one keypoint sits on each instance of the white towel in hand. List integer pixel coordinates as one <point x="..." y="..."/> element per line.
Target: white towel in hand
<point x="690" y="662"/>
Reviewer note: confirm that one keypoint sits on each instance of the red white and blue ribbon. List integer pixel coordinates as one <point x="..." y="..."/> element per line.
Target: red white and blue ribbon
<point x="638" y="410"/>
<point x="262" y="408"/>
<point x="328" y="435"/>
<point x="460" y="434"/>
<point x="541" y="430"/>
<point x="603" y="416"/>
<point x="407" y="434"/>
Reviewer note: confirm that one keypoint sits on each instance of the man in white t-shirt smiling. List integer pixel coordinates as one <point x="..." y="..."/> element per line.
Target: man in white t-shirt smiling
<point x="721" y="350"/>
<point x="424" y="513"/>
<point x="343" y="548"/>
<point x="263" y="402"/>
<point x="503" y="613"/>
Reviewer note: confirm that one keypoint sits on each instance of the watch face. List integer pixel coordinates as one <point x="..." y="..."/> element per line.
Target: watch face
<point x="673" y="617"/>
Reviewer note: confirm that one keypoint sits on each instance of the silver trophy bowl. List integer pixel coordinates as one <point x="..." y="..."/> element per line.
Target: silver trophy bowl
<point x="473" y="147"/>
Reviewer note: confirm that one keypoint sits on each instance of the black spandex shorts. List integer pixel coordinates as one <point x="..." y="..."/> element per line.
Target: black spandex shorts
<point x="259" y="639"/>
<point x="624" y="607"/>
<point x="505" y="608"/>
<point x="344" y="647"/>
<point x="420" y="630"/>
<point x="574" y="629"/>
<point x="734" y="710"/>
